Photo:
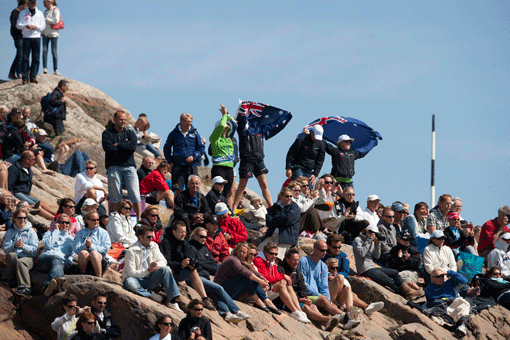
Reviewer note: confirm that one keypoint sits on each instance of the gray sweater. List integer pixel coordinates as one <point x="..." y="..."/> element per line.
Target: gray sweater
<point x="364" y="250"/>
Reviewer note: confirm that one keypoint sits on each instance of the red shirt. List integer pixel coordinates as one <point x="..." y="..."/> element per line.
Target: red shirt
<point x="270" y="272"/>
<point x="489" y="229"/>
<point x="218" y="247"/>
<point x="235" y="228"/>
<point x="154" y="181"/>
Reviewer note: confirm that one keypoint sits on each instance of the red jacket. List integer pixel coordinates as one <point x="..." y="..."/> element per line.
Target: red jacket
<point x="235" y="228"/>
<point x="489" y="229"/>
<point x="154" y="181"/>
<point x="270" y="272"/>
<point x="217" y="246"/>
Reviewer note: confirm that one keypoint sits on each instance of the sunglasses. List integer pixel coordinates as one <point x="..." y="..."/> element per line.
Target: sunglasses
<point x="64" y="222"/>
<point x="166" y="323"/>
<point x="21" y="218"/>
<point x="90" y="168"/>
<point x="70" y="206"/>
<point x="288" y="196"/>
<point x="322" y="250"/>
<point x="202" y="236"/>
<point x="273" y="253"/>
<point x="149" y="237"/>
<point x="94" y="219"/>
<point x="328" y="182"/>
<point x="101" y="303"/>
<point x="350" y="194"/>
<point x="440" y="276"/>
<point x="496" y="274"/>
<point x="90" y="322"/>
<point x="333" y="268"/>
<point x="198" y="309"/>
<point x="126" y="208"/>
<point x="71" y="306"/>
<point x="153" y="215"/>
<point x="388" y="216"/>
<point x="336" y="247"/>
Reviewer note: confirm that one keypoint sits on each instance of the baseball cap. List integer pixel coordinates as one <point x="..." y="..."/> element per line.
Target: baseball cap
<point x="373" y="228"/>
<point x="505" y="236"/>
<point x="211" y="219"/>
<point x="452" y="215"/>
<point x="397" y="207"/>
<point x="406" y="236"/>
<point x="373" y="198"/>
<point x="89" y="202"/>
<point x="317" y="131"/>
<point x="42" y="132"/>
<point x="220" y="208"/>
<point x="437" y="234"/>
<point x="343" y="138"/>
<point x="218" y="179"/>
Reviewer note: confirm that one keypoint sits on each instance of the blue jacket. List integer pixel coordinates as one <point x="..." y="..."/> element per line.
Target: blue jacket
<point x="286" y="219"/>
<point x="58" y="243"/>
<point x="344" y="265"/>
<point x="183" y="147"/>
<point x="315" y="275"/>
<point x="28" y="237"/>
<point x="99" y="238"/>
<point x="448" y="290"/>
<point x="122" y="153"/>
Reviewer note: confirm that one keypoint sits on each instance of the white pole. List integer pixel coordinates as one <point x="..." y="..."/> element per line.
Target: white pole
<point x="433" y="165"/>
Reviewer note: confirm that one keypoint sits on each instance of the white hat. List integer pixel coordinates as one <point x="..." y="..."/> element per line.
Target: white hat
<point x="373" y="198"/>
<point x="343" y="138"/>
<point x="505" y="236"/>
<point x="42" y="132"/>
<point x="89" y="202"/>
<point x="220" y="208"/>
<point x="218" y="179"/>
<point x="437" y="234"/>
<point x="317" y="131"/>
<point x="373" y="228"/>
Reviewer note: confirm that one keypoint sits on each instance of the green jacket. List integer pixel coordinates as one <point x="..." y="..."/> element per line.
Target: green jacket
<point x="222" y="147"/>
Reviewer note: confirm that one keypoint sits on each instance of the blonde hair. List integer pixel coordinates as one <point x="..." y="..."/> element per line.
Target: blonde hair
<point x="185" y="115"/>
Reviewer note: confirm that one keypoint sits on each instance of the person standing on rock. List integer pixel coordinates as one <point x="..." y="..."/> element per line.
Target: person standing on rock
<point x="107" y="325"/>
<point x="57" y="101"/>
<point x="119" y="145"/>
<point x="182" y="150"/>
<point x="52" y="17"/>
<point x="31" y="22"/>
<point x="342" y="159"/>
<point x="15" y="71"/>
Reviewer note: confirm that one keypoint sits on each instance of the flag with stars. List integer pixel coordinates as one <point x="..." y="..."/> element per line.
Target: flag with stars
<point x="261" y="119"/>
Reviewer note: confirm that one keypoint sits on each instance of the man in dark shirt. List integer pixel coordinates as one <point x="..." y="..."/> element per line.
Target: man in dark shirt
<point x="15" y="71"/>
<point x="342" y="159"/>
<point x="145" y="168"/>
<point x="215" y="195"/>
<point x="107" y="325"/>
<point x="190" y="205"/>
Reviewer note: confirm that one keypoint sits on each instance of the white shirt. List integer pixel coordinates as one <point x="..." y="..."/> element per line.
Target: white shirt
<point x="84" y="183"/>
<point x="371" y="217"/>
<point x="25" y="18"/>
<point x="156" y="337"/>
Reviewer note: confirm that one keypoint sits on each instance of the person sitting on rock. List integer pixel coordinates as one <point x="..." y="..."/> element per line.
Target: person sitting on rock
<point x="500" y="256"/>
<point x="39" y="228"/>
<point x="195" y="326"/>
<point x="289" y="266"/>
<point x="281" y="283"/>
<point x="150" y="217"/>
<point x="86" y="327"/>
<point x="190" y="205"/>
<point x="179" y="256"/>
<point x="338" y="273"/>
<point x="437" y="255"/>
<point x="7" y="206"/>
<point x="164" y="326"/>
<point x="146" y="267"/>
<point x="406" y="259"/>
<point x="207" y="267"/>
<point x="57" y="255"/>
<point x="154" y="186"/>
<point x="145" y="168"/>
<point x="20" y="244"/>
<point x="459" y="238"/>
<point x="92" y="245"/>
<point x="445" y="287"/>
<point x="144" y="146"/>
<point x="107" y="325"/>
<point x="65" y="325"/>
<point x="367" y="247"/>
<point x="494" y="285"/>
<point x="315" y="274"/>
<point x="216" y="242"/>
<point x="492" y="229"/>
<point x="348" y="214"/>
<point x="88" y="185"/>
<point x="68" y="207"/>
<point x="120" y="226"/>
<point x="215" y="195"/>
<point x="388" y="230"/>
<point x="233" y="229"/>
<point x="310" y="223"/>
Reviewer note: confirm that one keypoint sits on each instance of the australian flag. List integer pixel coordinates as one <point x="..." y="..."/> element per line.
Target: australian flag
<point x="261" y="119"/>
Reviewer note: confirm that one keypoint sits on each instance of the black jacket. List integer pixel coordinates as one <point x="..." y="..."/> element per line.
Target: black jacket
<point x="207" y="265"/>
<point x="15" y="33"/>
<point x="113" y="330"/>
<point x="142" y="172"/>
<point x="306" y="153"/>
<point x="122" y="154"/>
<point x="184" y="208"/>
<point x="286" y="219"/>
<point x="251" y="148"/>
<point x="400" y="263"/>
<point x="298" y="281"/>
<point x="81" y="335"/>
<point x="13" y="141"/>
<point x="175" y="251"/>
<point x="214" y="197"/>
<point x="56" y="101"/>
<point x="188" y="323"/>
<point x="19" y="180"/>
<point x="461" y="243"/>
<point x="342" y="161"/>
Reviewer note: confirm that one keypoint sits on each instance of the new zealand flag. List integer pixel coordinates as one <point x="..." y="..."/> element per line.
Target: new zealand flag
<point x="258" y="118"/>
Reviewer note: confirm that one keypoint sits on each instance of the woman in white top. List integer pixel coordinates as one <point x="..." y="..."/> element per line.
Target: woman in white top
<point x="164" y="326"/>
<point x="52" y="16"/>
<point x="65" y="325"/>
<point x="120" y="225"/>
<point x="88" y="185"/>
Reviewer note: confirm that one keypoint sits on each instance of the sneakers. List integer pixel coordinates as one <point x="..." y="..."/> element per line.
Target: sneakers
<point x="461" y="330"/>
<point x="45" y="70"/>
<point x="156" y="297"/>
<point x="50" y="288"/>
<point x="332" y="323"/>
<point x="33" y="80"/>
<point x="207" y="303"/>
<point x="460" y="264"/>
<point x="57" y="73"/>
<point x="12" y="77"/>
<point x="233" y="318"/>
<point x="174" y="306"/>
<point x="374" y="307"/>
<point x="299" y="317"/>
<point x="60" y="283"/>
<point x="242" y="315"/>
<point x="351" y="324"/>
<point x="23" y="291"/>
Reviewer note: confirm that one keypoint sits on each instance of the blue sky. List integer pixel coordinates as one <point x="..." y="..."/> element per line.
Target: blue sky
<point x="391" y="64"/>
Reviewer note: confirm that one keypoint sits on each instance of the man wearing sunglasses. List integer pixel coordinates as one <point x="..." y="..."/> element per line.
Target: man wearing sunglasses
<point x="500" y="256"/>
<point x="107" y="325"/>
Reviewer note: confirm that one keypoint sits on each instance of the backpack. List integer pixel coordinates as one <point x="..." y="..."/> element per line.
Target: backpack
<point x="50" y="112"/>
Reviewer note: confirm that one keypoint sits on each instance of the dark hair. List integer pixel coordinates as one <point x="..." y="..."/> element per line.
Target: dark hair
<point x="99" y="294"/>
<point x="163" y="165"/>
<point x="62" y="203"/>
<point x="142" y="115"/>
<point x="193" y="303"/>
<point x="420" y="205"/>
<point x="62" y="82"/>
<point x="144" y="229"/>
<point x="334" y="238"/>
<point x="290" y="252"/>
<point x="270" y="245"/>
<point x="84" y="317"/>
<point x="492" y="269"/>
<point x="162" y="318"/>
<point x="23" y="2"/>
<point x="177" y="223"/>
<point x="68" y="298"/>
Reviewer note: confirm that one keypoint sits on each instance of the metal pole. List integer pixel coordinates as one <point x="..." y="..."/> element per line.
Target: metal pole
<point x="433" y="165"/>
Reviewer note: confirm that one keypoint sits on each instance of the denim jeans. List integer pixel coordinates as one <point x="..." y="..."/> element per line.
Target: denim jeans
<point x="218" y="294"/>
<point x="261" y="293"/>
<point x="385" y="277"/>
<point x="31" y="45"/>
<point x="13" y="159"/>
<point x="180" y="174"/>
<point x="149" y="147"/>
<point x="26" y="198"/>
<point x="298" y="171"/>
<point x="16" y="64"/>
<point x="143" y="286"/>
<point x="75" y="164"/>
<point x="123" y="176"/>
<point x="239" y="284"/>
<point x="58" y="126"/>
<point x="45" y="42"/>
<point x="53" y="265"/>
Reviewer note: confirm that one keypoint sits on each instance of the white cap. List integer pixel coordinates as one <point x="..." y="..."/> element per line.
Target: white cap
<point x="505" y="236"/>
<point x="373" y="198"/>
<point x="437" y="234"/>
<point x="344" y="138"/>
<point x="373" y="228"/>
<point x="42" y="132"/>
<point x="317" y="131"/>
<point x="89" y="202"/>
<point x="218" y="179"/>
<point x="220" y="208"/>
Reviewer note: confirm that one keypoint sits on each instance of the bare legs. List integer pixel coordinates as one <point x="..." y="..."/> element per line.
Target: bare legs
<point x="287" y="295"/>
<point x="263" y="186"/>
<point x="168" y="196"/>
<point x="94" y="257"/>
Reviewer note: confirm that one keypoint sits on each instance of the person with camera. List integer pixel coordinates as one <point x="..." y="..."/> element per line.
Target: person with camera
<point x="366" y="248"/>
<point x="194" y="326"/>
<point x="406" y="259"/>
<point x="348" y="214"/>
<point x="180" y="257"/>
<point x="388" y="233"/>
<point x="65" y="325"/>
